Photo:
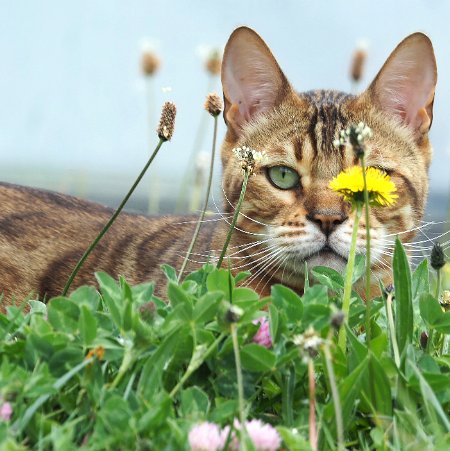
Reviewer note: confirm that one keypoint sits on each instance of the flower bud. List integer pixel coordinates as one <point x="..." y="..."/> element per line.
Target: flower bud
<point x="337" y="319"/>
<point x="423" y="340"/>
<point x="437" y="257"/>
<point x="213" y="104"/>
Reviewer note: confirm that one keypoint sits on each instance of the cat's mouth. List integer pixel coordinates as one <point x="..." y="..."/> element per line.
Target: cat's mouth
<point x="327" y="256"/>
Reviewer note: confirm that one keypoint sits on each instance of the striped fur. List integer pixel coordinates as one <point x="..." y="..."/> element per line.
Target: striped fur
<point x="43" y="234"/>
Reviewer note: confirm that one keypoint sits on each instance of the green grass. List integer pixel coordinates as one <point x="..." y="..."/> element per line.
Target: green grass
<point x="168" y="364"/>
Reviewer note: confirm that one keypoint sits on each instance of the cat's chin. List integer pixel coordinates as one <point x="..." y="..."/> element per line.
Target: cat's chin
<point x="329" y="259"/>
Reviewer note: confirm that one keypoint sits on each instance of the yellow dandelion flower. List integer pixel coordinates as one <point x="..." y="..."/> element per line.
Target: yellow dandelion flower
<point x="350" y="185"/>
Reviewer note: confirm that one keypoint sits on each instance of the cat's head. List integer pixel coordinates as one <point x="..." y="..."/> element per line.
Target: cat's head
<point x="289" y="206"/>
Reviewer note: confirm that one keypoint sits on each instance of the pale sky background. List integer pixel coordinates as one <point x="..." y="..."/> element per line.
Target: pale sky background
<point x="72" y="97"/>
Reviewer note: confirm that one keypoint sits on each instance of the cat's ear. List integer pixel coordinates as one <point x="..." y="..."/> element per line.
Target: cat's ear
<point x="252" y="81"/>
<point x="405" y="85"/>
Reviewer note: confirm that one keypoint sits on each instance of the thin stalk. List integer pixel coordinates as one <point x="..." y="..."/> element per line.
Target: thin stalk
<point x="191" y="368"/>
<point x="438" y="284"/>
<point x="348" y="277"/>
<point x="233" y="222"/>
<point x="205" y="204"/>
<point x="312" y="406"/>
<point x="127" y="361"/>
<point x="430" y="345"/>
<point x="368" y="273"/>
<point x="390" y="318"/>
<point x="240" y="384"/>
<point x="110" y="222"/>
<point x="335" y="395"/>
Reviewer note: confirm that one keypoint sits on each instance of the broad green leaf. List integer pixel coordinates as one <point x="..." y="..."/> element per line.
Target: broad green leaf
<point x="169" y="272"/>
<point x="241" y="276"/>
<point x="207" y="307"/>
<point x="316" y="316"/>
<point x="289" y="302"/>
<point x="328" y="277"/>
<point x="317" y="294"/>
<point x="403" y="297"/>
<point x="433" y="315"/>
<point x="177" y="295"/>
<point x="220" y="280"/>
<point x="225" y="411"/>
<point x="257" y="358"/>
<point x="63" y="314"/>
<point x="87" y="325"/>
<point x="377" y="388"/>
<point x="420" y="281"/>
<point x="194" y="403"/>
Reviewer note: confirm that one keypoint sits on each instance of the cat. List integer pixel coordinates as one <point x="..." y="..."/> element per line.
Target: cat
<point x="289" y="215"/>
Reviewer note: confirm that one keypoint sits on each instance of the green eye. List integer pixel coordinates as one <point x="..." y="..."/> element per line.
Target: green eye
<point x="283" y="177"/>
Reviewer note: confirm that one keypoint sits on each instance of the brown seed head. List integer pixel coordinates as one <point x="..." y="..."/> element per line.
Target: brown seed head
<point x="213" y="104"/>
<point x="213" y="63"/>
<point x="358" y="63"/>
<point x="167" y="121"/>
<point x="150" y="63"/>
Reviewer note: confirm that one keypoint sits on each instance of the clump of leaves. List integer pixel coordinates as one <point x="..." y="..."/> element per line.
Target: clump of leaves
<point x="121" y="368"/>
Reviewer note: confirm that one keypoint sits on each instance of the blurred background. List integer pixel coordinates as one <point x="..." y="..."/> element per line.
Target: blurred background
<point x="82" y="83"/>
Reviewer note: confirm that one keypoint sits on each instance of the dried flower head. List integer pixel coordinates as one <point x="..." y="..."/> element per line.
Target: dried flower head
<point x="147" y="311"/>
<point x="213" y="63"/>
<point x="263" y="337"/>
<point x="308" y="342"/>
<point x="233" y="314"/>
<point x="355" y="136"/>
<point x="150" y="63"/>
<point x="205" y="437"/>
<point x="213" y="104"/>
<point x="337" y="319"/>
<point x="167" y="121"/>
<point x="358" y="63"/>
<point x="423" y="340"/>
<point x="437" y="257"/>
<point x="249" y="158"/>
<point x="350" y="185"/>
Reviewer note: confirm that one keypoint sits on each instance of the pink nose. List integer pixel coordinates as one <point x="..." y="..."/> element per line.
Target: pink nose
<point x="327" y="220"/>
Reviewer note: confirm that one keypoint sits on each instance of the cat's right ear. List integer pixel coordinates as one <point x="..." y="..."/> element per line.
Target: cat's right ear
<point x="252" y="80"/>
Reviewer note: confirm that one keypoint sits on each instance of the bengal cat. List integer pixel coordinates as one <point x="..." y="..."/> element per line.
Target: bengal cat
<point x="289" y="215"/>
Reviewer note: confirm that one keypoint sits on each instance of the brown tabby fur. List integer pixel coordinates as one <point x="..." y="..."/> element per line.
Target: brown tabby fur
<point x="43" y="234"/>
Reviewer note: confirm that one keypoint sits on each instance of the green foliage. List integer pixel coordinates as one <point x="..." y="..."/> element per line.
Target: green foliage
<point x="120" y="368"/>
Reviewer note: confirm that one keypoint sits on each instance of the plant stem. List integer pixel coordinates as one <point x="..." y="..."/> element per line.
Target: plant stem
<point x="191" y="368"/>
<point x="205" y="204"/>
<point x="110" y="222"/>
<point x="335" y="395"/>
<point x="438" y="284"/>
<point x="312" y="406"/>
<point x="240" y="383"/>
<point x="430" y="346"/>
<point x="368" y="273"/>
<point x="348" y="277"/>
<point x="391" y="326"/>
<point x="234" y="220"/>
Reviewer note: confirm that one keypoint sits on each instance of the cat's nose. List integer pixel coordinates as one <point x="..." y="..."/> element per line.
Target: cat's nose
<point x="327" y="220"/>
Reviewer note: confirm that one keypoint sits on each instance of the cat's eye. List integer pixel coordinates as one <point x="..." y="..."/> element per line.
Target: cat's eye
<point x="283" y="177"/>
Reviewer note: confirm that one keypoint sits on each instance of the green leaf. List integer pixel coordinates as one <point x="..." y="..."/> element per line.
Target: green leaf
<point x="220" y="280"/>
<point x="177" y="295"/>
<point x="420" y="281"/>
<point x="273" y="322"/>
<point x="432" y="314"/>
<point x="241" y="276"/>
<point x="86" y="296"/>
<point x="317" y="294"/>
<point x="194" y="403"/>
<point x="403" y="297"/>
<point x="87" y="325"/>
<point x="169" y="272"/>
<point x="257" y="358"/>
<point x="328" y="277"/>
<point x="63" y="314"/>
<point x="207" y="306"/>
<point x="378" y="388"/>
<point x="112" y="296"/>
<point x="288" y="301"/>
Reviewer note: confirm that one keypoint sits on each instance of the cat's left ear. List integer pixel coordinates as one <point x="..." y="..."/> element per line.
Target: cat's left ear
<point x="405" y="85"/>
<point x="252" y="80"/>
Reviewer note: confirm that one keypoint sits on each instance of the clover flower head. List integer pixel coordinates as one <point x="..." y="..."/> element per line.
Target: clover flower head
<point x="262" y="337"/>
<point x="5" y="411"/>
<point x="445" y="300"/>
<point x="263" y="436"/>
<point x="350" y="185"/>
<point x="205" y="436"/>
<point x="308" y="342"/>
<point x="249" y="158"/>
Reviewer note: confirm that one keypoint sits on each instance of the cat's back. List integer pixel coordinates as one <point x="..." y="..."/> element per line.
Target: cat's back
<point x="43" y="234"/>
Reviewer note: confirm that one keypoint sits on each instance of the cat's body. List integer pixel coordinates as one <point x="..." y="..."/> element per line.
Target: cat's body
<point x="289" y="216"/>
